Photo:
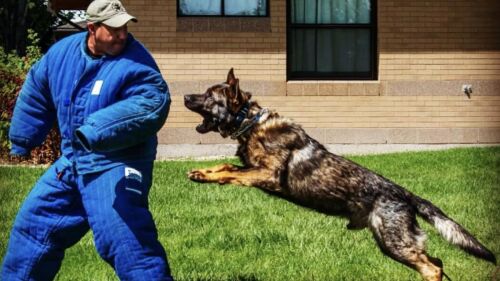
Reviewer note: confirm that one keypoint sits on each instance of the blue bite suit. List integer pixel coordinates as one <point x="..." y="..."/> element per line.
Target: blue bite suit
<point x="109" y="110"/>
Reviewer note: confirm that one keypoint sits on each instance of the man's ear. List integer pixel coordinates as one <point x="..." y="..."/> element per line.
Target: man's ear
<point x="91" y="27"/>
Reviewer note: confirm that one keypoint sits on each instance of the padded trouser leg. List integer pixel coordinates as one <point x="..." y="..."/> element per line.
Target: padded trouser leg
<point x="50" y="220"/>
<point x="116" y="202"/>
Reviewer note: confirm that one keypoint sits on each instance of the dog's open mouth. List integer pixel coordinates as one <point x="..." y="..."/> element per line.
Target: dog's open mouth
<point x="195" y="104"/>
<point x="206" y="126"/>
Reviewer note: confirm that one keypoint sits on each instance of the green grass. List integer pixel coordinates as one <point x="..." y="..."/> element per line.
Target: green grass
<point x="214" y="232"/>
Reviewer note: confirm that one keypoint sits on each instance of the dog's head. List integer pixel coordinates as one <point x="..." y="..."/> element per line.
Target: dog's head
<point x="219" y="105"/>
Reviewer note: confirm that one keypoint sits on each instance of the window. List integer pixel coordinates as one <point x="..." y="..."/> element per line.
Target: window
<point x="331" y="39"/>
<point x="228" y="8"/>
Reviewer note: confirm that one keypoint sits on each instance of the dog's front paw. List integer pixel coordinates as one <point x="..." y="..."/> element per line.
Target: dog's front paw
<point x="197" y="175"/>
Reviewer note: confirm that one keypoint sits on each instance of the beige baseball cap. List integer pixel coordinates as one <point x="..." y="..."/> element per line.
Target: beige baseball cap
<point x="109" y="12"/>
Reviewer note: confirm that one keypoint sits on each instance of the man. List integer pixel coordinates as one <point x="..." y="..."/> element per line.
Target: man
<point x="109" y="99"/>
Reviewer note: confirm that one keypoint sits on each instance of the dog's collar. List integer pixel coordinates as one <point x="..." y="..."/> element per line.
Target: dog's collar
<point x="245" y="126"/>
<point x="242" y="114"/>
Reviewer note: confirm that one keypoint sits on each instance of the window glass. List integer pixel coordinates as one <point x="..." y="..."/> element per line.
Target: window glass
<point x="245" y="8"/>
<point x="343" y="50"/>
<point x="330" y="39"/>
<point x="223" y="7"/>
<point x="303" y="11"/>
<point x="303" y="42"/>
<point x="200" y="7"/>
<point x="330" y="11"/>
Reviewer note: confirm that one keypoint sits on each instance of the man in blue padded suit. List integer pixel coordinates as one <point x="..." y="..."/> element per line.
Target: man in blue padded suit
<point x="109" y="98"/>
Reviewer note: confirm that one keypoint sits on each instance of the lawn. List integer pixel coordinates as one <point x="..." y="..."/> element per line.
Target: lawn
<point x="214" y="232"/>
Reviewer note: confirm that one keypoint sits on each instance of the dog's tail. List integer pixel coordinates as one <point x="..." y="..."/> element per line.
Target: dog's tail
<point x="452" y="231"/>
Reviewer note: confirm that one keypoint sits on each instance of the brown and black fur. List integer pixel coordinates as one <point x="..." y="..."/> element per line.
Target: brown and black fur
<point x="280" y="158"/>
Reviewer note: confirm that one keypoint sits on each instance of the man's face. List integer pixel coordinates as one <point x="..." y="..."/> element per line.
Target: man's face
<point x="109" y="40"/>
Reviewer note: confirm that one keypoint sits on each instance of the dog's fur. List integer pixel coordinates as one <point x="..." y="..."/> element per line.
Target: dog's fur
<point x="279" y="157"/>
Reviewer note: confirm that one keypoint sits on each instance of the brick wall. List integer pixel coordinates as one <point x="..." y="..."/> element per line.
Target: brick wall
<point x="206" y="48"/>
<point x="437" y="46"/>
<point x="367" y="119"/>
<point x="439" y="40"/>
<point x="426" y="51"/>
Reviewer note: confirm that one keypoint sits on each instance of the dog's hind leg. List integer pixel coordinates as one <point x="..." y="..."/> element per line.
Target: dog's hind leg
<point x="396" y="231"/>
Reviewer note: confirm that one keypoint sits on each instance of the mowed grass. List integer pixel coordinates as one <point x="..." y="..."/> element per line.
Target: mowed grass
<point x="215" y="232"/>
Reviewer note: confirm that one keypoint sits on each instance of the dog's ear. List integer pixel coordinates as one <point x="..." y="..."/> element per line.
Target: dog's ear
<point x="231" y="79"/>
<point x="247" y="96"/>
<point x="234" y="83"/>
<point x="238" y="96"/>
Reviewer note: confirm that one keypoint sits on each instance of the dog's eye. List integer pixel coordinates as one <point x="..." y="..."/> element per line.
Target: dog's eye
<point x="209" y="96"/>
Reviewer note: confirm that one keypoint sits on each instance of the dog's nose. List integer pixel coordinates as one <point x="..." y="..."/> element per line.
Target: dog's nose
<point x="187" y="98"/>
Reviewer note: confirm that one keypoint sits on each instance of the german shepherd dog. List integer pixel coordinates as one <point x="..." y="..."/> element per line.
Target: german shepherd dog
<point x="280" y="158"/>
